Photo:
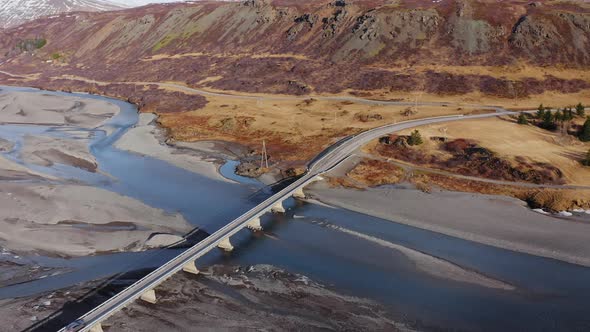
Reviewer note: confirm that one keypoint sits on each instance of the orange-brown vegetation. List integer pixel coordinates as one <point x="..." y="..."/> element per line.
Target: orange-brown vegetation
<point x="445" y="48"/>
<point x="466" y="157"/>
<point x="295" y="131"/>
<point x="371" y="172"/>
<point x="528" y="146"/>
<point x="550" y="199"/>
<point x="338" y="181"/>
<point x="520" y="154"/>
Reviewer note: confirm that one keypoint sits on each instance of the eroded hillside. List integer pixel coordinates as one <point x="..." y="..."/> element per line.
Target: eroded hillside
<point x="296" y="47"/>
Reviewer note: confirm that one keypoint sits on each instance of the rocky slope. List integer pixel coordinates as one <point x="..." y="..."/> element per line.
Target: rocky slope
<point x="15" y="12"/>
<point x="299" y="47"/>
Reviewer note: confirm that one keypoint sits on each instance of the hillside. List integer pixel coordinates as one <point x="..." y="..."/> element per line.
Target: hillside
<point x="323" y="46"/>
<point x="15" y="12"/>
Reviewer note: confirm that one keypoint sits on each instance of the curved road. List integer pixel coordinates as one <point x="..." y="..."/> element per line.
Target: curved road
<point x="322" y="164"/>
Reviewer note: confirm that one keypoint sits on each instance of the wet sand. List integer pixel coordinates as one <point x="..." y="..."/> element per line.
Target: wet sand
<point x="46" y="151"/>
<point x="54" y="216"/>
<point x="493" y="220"/>
<point x="259" y="297"/>
<point x="427" y="263"/>
<point x="147" y="139"/>
<point x="71" y="220"/>
<point x="46" y="109"/>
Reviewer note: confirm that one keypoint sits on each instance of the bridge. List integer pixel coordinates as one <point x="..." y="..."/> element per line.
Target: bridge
<point x="145" y="288"/>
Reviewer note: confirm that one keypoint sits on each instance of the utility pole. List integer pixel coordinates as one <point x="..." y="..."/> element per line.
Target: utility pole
<point x="264" y="157"/>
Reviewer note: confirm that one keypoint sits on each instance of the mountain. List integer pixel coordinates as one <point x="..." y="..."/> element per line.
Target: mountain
<point x="15" y="12"/>
<point x="442" y="47"/>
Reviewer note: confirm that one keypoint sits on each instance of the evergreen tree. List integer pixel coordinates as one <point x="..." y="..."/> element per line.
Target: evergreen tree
<point x="584" y="134"/>
<point x="548" y="121"/>
<point x="586" y="160"/>
<point x="541" y="112"/>
<point x="558" y="116"/>
<point x="570" y="114"/>
<point x="580" y="111"/>
<point x="415" y="138"/>
<point x="522" y="119"/>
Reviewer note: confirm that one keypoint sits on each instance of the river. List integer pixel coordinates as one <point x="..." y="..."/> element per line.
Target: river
<point x="309" y="239"/>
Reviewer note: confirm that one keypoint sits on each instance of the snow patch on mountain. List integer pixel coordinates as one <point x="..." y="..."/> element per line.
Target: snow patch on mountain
<point x="15" y="12"/>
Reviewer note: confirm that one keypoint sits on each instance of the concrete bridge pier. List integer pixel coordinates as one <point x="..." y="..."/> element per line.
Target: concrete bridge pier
<point x="149" y="297"/>
<point x="299" y="193"/>
<point x="278" y="208"/>
<point x="254" y="225"/>
<point x="225" y="245"/>
<point x="96" y="328"/>
<point x="191" y="268"/>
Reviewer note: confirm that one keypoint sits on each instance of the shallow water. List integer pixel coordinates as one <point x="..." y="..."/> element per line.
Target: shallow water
<point x="551" y="295"/>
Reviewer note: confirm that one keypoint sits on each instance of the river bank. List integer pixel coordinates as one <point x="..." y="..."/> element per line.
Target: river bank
<point x="224" y="297"/>
<point x="498" y="221"/>
<point x="205" y="158"/>
<point x="52" y="210"/>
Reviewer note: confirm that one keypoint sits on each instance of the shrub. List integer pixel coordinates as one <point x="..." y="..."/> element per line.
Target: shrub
<point x="522" y="119"/>
<point x="548" y="121"/>
<point x="580" y="110"/>
<point x="415" y="138"/>
<point x="540" y="112"/>
<point x="584" y="134"/>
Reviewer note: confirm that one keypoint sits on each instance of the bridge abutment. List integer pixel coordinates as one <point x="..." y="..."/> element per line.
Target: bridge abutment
<point x="96" y="328"/>
<point x="254" y="225"/>
<point x="191" y="268"/>
<point x="299" y="193"/>
<point x="149" y="297"/>
<point x="225" y="245"/>
<point x="278" y="208"/>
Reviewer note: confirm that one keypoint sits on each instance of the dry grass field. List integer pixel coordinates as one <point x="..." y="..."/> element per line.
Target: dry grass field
<point x="295" y="130"/>
<point x="510" y="140"/>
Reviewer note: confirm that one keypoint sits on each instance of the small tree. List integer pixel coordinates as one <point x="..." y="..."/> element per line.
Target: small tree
<point x="558" y="116"/>
<point x="568" y="114"/>
<point x="548" y="121"/>
<point x="584" y="134"/>
<point x="541" y="112"/>
<point x="522" y="119"/>
<point x="580" y="110"/>
<point x="415" y="138"/>
<point x="586" y="161"/>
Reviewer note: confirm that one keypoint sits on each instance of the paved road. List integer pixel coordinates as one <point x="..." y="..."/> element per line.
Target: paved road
<point x="323" y="163"/>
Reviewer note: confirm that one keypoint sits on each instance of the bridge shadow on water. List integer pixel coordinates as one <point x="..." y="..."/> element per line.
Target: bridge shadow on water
<point x="104" y="290"/>
<point x="265" y="192"/>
